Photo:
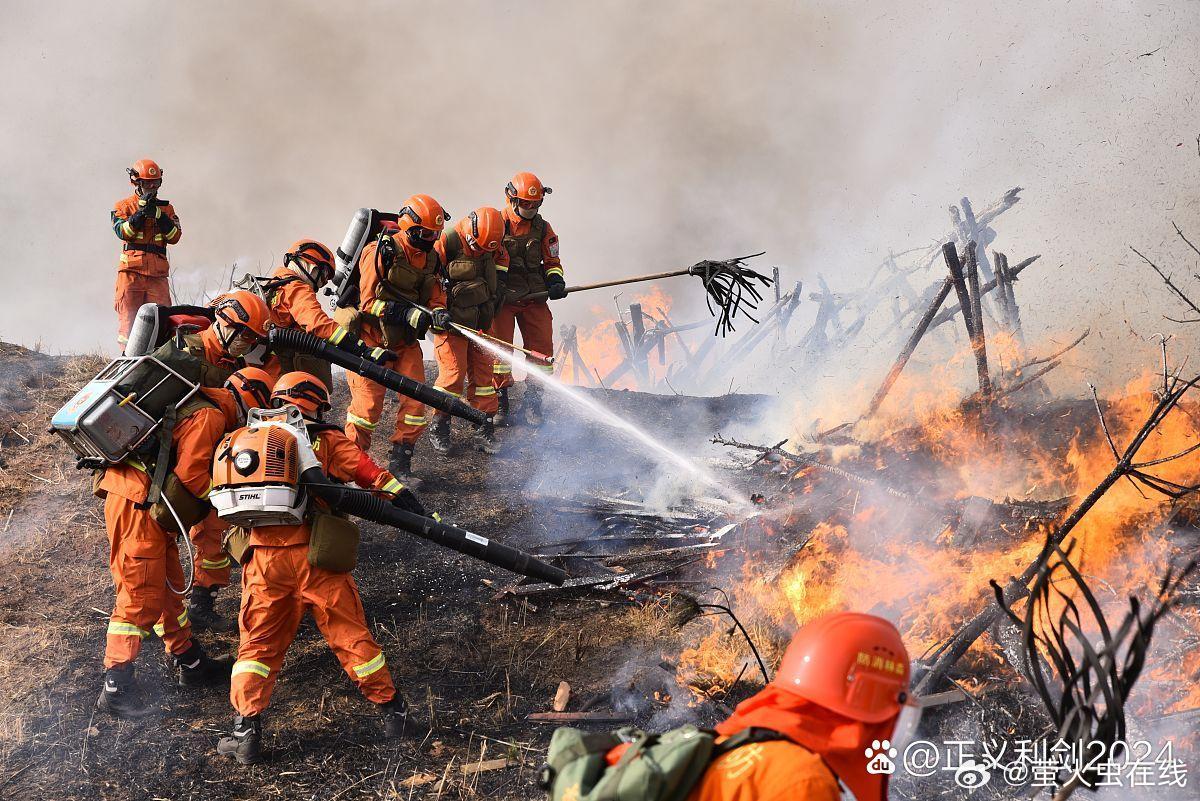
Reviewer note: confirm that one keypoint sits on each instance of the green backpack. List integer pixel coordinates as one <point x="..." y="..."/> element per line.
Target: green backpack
<point x="655" y="767"/>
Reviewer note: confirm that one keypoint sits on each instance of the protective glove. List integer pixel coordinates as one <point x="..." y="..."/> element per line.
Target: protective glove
<point x="440" y="320"/>
<point x="556" y="287"/>
<point x="165" y="223"/>
<point x="393" y="312"/>
<point x="381" y="356"/>
<point x="419" y="321"/>
<point x="407" y="501"/>
<point x="137" y="218"/>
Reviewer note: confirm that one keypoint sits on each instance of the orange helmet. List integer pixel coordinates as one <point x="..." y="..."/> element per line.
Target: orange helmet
<point x="525" y="194"/>
<point x="144" y="170"/>
<point x="482" y="229"/>
<point x="304" y="391"/>
<point x="241" y="312"/>
<point x="314" y="260"/>
<point x="848" y="662"/>
<point x="422" y="219"/>
<point x="251" y="386"/>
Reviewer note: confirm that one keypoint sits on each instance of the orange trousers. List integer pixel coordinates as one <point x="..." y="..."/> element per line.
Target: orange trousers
<point x="142" y="557"/>
<point x="537" y="333"/>
<point x="460" y="360"/>
<point x="212" y="563"/>
<point x="278" y="587"/>
<point x="366" y="402"/>
<point x="134" y="289"/>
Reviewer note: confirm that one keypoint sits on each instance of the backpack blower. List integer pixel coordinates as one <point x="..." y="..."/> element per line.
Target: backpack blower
<point x="264" y="474"/>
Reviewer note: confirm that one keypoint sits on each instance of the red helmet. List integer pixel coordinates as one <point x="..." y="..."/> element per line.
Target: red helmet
<point x="252" y="386"/>
<point x="242" y="311"/>
<point x="313" y="259"/>
<point x="422" y="219"/>
<point x="304" y="391"/>
<point x="851" y="663"/>
<point x="482" y="229"/>
<point x="144" y="170"/>
<point x="525" y="193"/>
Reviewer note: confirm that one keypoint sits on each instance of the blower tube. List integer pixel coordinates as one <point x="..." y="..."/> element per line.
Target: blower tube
<point x="304" y="342"/>
<point x="377" y="510"/>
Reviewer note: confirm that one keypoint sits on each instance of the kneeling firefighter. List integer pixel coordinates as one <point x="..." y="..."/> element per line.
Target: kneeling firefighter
<point x="283" y="576"/>
<point x="145" y="506"/>
<point x="297" y="549"/>
<point x="838" y="702"/>
<point x="473" y="276"/>
<point x="399" y="268"/>
<point x="291" y="294"/>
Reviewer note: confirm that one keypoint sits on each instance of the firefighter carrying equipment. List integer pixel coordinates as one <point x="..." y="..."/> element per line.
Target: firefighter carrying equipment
<point x="473" y="274"/>
<point x="392" y="275"/>
<point x="303" y="342"/>
<point x="267" y="476"/>
<point x="533" y="254"/>
<point x="635" y="765"/>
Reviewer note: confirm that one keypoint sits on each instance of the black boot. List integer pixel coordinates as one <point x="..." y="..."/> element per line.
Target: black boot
<point x="485" y="438"/>
<point x="439" y="433"/>
<point x="198" y="669"/>
<point x="533" y="404"/>
<point x="400" y="466"/>
<point x="202" y="611"/>
<point x="394" y="714"/>
<point x="501" y="417"/>
<point x="122" y="697"/>
<point x="245" y="742"/>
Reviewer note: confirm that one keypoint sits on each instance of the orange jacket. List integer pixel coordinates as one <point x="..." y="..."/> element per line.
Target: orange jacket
<point x="193" y="442"/>
<point x="145" y="244"/>
<point x="519" y="226"/>
<point x="341" y="460"/>
<point x="294" y="304"/>
<point x="769" y="771"/>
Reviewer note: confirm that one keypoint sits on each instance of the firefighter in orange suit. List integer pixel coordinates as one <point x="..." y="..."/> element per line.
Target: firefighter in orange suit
<point x="291" y="294"/>
<point x="279" y="586"/>
<point x="475" y="263"/>
<point x="251" y="389"/>
<point x="396" y="270"/>
<point x="143" y="559"/>
<point x="241" y="325"/>
<point x="834" y="706"/>
<point x="534" y="267"/>
<point x="146" y="226"/>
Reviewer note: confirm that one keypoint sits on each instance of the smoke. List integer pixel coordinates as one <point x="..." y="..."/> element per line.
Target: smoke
<point x="825" y="133"/>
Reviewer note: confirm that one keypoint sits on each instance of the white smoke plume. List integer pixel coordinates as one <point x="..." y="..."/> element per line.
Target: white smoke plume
<point x="822" y="132"/>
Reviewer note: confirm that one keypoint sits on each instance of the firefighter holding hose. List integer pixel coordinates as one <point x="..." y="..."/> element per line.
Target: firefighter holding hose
<point x="291" y="294"/>
<point x="534" y="267"/>
<point x="146" y="226"/>
<point x="398" y="269"/>
<point x="143" y="556"/>
<point x="280" y="584"/>
<point x="473" y="276"/>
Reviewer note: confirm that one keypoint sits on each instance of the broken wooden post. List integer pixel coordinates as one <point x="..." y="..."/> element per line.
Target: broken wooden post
<point x="775" y="281"/>
<point x="950" y="313"/>
<point x="950" y="254"/>
<point x="978" y="340"/>
<point x="909" y="347"/>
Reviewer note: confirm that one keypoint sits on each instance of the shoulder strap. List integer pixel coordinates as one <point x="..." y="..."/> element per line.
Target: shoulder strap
<point x="165" y="434"/>
<point x="745" y="737"/>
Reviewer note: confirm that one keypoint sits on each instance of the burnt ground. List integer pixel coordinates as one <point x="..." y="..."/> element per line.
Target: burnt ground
<point x="471" y="667"/>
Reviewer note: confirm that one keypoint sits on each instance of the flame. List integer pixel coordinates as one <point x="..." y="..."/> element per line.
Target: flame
<point x="601" y="350"/>
<point x="888" y="554"/>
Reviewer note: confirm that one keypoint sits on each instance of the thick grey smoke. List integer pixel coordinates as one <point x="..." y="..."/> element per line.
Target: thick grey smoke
<point x="822" y="132"/>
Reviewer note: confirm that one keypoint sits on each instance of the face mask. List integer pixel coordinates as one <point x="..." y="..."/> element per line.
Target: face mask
<point x="423" y="245"/>
<point x="906" y="724"/>
<point x="527" y="214"/>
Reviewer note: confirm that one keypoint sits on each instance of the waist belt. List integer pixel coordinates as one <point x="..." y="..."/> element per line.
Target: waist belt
<point x="158" y="249"/>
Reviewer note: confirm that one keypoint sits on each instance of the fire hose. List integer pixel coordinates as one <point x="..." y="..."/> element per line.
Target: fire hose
<point x="375" y="509"/>
<point x="304" y="342"/>
<point x="530" y="355"/>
